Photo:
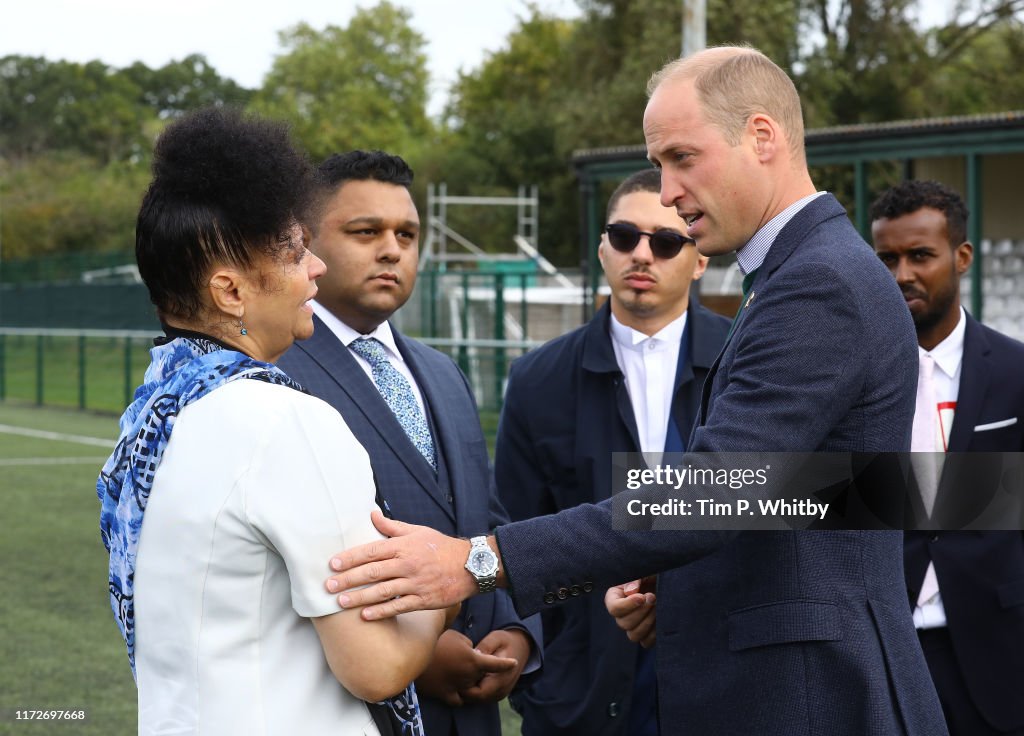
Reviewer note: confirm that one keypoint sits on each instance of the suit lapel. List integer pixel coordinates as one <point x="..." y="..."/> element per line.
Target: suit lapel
<point x="974" y="378"/>
<point x="337" y="361"/>
<point x="818" y="210"/>
<point x="599" y="359"/>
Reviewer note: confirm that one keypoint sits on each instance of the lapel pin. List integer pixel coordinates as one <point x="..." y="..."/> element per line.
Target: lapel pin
<point x="750" y="299"/>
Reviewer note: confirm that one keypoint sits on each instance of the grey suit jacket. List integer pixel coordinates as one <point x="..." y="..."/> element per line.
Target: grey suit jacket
<point x="775" y="633"/>
<point x="466" y="505"/>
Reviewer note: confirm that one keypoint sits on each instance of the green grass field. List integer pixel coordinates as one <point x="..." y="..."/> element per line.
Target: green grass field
<point x="59" y="645"/>
<point x="59" y="648"/>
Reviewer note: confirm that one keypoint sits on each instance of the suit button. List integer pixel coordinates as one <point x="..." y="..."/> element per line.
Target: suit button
<point x="934" y="537"/>
<point x="549" y="598"/>
<point x="563" y="593"/>
<point x="469" y="621"/>
<point x="587" y="587"/>
<point x="613" y="710"/>
<point x="574" y="590"/>
<point x="451" y="499"/>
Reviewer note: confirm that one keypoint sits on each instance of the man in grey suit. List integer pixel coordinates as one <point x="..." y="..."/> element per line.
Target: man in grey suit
<point x="412" y="409"/>
<point x="768" y="633"/>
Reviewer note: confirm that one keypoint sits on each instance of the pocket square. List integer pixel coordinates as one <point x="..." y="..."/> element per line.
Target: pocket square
<point x="996" y="425"/>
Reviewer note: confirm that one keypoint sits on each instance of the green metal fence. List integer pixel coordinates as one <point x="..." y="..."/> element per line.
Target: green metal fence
<point x="100" y="369"/>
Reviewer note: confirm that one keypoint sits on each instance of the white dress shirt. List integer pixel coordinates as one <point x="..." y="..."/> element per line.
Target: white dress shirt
<point x="649" y="366"/>
<point x="387" y="338"/>
<point x="948" y="356"/>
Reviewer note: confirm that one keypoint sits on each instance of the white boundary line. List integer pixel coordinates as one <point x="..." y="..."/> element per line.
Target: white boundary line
<point x="58" y="436"/>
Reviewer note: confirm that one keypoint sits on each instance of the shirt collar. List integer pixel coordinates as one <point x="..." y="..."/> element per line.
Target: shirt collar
<point x="631" y="339"/>
<point x="755" y="250"/>
<point x="347" y="335"/>
<point x="950" y="352"/>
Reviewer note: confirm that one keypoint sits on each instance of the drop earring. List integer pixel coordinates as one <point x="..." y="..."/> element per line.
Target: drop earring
<point x="241" y="329"/>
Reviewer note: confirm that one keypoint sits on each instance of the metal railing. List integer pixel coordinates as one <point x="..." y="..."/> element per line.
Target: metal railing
<point x="99" y="370"/>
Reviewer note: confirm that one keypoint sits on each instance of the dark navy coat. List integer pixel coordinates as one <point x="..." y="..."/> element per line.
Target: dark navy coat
<point x="796" y="633"/>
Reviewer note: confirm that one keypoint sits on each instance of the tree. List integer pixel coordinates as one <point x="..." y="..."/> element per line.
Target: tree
<point x="872" y="62"/>
<point x="105" y="113"/>
<point x="67" y="106"/>
<point x="180" y="86"/>
<point x="361" y="86"/>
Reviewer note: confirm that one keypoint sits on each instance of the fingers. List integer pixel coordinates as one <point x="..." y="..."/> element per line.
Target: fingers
<point x="381" y="549"/>
<point x="634" y="609"/>
<point x="390" y="527"/>
<point x="490" y="689"/>
<point x="621" y="600"/>
<point x="642" y="631"/>
<point x="490" y="663"/>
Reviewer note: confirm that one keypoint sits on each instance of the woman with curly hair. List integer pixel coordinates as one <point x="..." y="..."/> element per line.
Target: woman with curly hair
<point x="230" y="485"/>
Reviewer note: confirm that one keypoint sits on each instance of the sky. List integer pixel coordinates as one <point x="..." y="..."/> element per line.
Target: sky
<point x="239" y="37"/>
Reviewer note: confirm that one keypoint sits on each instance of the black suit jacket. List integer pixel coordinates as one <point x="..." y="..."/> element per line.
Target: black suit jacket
<point x="465" y="507"/>
<point x="981" y="574"/>
<point x="566" y="411"/>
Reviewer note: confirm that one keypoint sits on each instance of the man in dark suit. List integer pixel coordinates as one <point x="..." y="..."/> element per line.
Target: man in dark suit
<point x="627" y="381"/>
<point x="966" y="588"/>
<point x="768" y="633"/>
<point x="420" y="427"/>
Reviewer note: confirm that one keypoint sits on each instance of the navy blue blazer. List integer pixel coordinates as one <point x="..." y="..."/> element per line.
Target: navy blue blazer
<point x="775" y="633"/>
<point x="566" y="410"/>
<point x="981" y="574"/>
<point x="466" y="506"/>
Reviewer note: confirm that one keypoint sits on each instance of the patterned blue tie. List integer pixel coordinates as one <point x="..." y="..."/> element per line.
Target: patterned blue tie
<point x="397" y="392"/>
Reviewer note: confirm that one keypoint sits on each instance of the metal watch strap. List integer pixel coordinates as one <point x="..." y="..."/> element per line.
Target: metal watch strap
<point x="485" y="584"/>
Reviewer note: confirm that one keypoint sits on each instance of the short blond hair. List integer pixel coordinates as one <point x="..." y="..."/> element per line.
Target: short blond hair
<point x="735" y="82"/>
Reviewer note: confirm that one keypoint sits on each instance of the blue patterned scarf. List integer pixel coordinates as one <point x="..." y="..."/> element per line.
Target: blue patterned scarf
<point x="182" y="370"/>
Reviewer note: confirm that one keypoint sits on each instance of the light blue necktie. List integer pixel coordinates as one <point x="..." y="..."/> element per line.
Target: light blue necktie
<point x="397" y="392"/>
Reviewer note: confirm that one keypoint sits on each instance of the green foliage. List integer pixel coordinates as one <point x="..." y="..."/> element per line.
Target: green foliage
<point x="361" y="86"/>
<point x="64" y="202"/>
<point x="75" y="138"/>
<point x="875" y="64"/>
<point x="107" y="114"/>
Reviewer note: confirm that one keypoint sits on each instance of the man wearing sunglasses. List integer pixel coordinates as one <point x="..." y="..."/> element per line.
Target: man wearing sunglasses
<point x="628" y="381"/>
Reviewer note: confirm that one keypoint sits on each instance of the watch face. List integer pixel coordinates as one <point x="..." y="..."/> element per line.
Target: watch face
<point x="483" y="562"/>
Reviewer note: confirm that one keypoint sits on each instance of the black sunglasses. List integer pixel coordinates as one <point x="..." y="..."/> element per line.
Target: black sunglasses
<point x="664" y="244"/>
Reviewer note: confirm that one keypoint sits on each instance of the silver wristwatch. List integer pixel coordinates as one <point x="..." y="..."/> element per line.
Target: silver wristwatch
<point x="483" y="564"/>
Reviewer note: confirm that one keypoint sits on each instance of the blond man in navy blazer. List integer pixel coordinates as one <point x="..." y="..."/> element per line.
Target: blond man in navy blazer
<point x="966" y="588"/>
<point x="770" y="633"/>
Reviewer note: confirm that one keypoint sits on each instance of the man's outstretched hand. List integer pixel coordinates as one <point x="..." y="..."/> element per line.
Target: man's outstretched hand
<point x="417" y="568"/>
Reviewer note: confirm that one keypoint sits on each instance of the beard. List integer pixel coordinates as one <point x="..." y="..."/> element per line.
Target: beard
<point x="937" y="306"/>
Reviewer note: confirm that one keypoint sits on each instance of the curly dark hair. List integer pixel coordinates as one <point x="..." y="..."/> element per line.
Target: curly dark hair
<point x="647" y="180"/>
<point x="227" y="188"/>
<point x="340" y="168"/>
<point x="909" y="196"/>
